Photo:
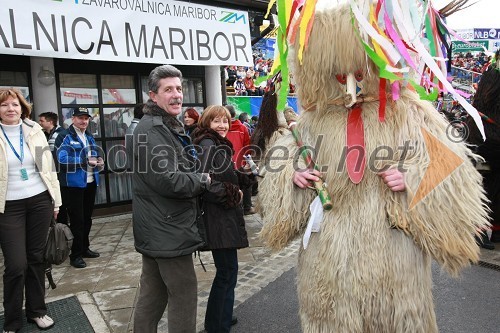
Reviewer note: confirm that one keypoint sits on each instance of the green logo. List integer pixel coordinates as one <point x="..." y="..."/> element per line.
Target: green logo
<point x="231" y="17"/>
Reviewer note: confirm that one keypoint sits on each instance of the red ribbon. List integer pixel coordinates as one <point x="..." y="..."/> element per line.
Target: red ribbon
<point x="356" y="150"/>
<point x="382" y="99"/>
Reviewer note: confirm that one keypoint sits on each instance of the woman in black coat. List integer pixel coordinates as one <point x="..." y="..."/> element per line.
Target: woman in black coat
<point x="222" y="213"/>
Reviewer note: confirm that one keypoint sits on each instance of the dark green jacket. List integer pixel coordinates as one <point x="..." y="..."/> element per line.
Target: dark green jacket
<point x="166" y="189"/>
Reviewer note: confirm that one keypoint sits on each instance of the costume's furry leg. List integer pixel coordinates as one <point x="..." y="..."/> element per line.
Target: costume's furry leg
<point x="354" y="298"/>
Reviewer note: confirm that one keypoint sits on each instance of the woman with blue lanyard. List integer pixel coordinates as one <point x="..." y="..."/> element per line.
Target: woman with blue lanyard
<point x="29" y="197"/>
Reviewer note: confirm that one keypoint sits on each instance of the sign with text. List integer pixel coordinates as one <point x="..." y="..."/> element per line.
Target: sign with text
<point x="486" y="33"/>
<point x="473" y="46"/>
<point x="494" y="45"/>
<point x="465" y="34"/>
<point x="151" y="31"/>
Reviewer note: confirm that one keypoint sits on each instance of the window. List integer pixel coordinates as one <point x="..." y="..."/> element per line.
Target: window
<point x="118" y="89"/>
<point x="17" y="80"/>
<point x="78" y="89"/>
<point x="111" y="100"/>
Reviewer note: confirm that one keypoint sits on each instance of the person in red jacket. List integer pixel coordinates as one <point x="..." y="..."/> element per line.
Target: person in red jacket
<point x="250" y="84"/>
<point x="240" y="138"/>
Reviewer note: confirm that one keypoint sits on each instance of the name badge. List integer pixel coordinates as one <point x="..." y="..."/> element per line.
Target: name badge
<point x="24" y="174"/>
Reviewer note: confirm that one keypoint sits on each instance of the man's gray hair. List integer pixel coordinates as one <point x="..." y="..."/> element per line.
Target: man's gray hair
<point x="162" y="72"/>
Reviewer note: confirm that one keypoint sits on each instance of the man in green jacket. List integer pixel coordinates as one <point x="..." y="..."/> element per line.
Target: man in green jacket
<point x="165" y="208"/>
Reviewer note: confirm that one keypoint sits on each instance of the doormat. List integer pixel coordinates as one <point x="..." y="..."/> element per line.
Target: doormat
<point x="68" y="316"/>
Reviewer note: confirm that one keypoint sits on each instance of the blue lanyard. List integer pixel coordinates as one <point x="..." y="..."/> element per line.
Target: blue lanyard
<point x="21" y="140"/>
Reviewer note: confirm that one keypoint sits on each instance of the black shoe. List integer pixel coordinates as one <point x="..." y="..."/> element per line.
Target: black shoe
<point x="78" y="263"/>
<point x="90" y="254"/>
<point x="484" y="241"/>
<point x="249" y="211"/>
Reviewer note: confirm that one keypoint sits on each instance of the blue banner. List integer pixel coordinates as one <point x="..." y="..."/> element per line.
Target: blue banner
<point x="485" y="33"/>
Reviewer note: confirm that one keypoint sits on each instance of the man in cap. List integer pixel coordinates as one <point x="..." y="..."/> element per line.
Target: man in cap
<point x="80" y="161"/>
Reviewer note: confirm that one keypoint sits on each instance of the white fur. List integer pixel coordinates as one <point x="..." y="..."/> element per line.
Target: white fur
<point x="369" y="269"/>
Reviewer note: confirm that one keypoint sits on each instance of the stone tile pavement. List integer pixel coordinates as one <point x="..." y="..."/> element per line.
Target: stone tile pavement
<point x="107" y="287"/>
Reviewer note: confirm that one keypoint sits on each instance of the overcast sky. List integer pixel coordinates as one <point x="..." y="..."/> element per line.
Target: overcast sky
<point x="483" y="14"/>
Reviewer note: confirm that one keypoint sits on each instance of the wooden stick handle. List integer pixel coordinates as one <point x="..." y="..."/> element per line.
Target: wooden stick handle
<point x="318" y="185"/>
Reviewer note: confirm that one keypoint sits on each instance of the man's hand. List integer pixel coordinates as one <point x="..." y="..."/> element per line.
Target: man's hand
<point x="56" y="212"/>
<point x="306" y="178"/>
<point x="92" y="161"/>
<point x="205" y="178"/>
<point x="100" y="162"/>
<point x="394" y="179"/>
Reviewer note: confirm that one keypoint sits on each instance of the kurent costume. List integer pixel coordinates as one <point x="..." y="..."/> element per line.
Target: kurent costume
<point x="368" y="269"/>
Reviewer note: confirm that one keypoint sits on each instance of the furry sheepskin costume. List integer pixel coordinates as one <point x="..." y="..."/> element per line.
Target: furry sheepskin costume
<point x="369" y="267"/>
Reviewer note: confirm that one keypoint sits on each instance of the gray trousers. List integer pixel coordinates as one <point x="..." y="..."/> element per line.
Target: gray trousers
<point x="165" y="281"/>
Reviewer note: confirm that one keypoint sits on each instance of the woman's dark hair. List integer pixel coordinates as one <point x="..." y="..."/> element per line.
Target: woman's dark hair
<point x="268" y="121"/>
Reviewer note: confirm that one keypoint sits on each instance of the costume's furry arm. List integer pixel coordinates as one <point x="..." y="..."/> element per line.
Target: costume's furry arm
<point x="283" y="206"/>
<point x="444" y="222"/>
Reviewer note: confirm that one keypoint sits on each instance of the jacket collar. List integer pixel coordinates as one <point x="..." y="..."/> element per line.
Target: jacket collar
<point x="30" y="127"/>
<point x="168" y="120"/>
<point x="72" y="131"/>
<point x="201" y="134"/>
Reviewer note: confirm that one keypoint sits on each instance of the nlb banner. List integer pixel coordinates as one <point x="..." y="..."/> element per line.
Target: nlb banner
<point x="151" y="31"/>
<point x="486" y="33"/>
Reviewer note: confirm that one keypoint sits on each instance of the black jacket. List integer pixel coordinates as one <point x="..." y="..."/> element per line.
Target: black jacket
<point x="165" y="205"/>
<point x="222" y="212"/>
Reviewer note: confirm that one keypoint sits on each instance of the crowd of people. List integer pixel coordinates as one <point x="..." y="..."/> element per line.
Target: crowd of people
<point x="61" y="184"/>
<point x="245" y="80"/>
<point x="213" y="179"/>
<point x="190" y="196"/>
<point x="474" y="62"/>
<point x="469" y="67"/>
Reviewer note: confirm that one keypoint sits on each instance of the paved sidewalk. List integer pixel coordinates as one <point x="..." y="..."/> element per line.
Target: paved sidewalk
<point x="107" y="287"/>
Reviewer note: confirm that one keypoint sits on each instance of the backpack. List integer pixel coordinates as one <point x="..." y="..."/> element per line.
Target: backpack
<point x="59" y="242"/>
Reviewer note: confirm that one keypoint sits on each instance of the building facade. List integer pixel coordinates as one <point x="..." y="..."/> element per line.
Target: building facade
<point x="98" y="54"/>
